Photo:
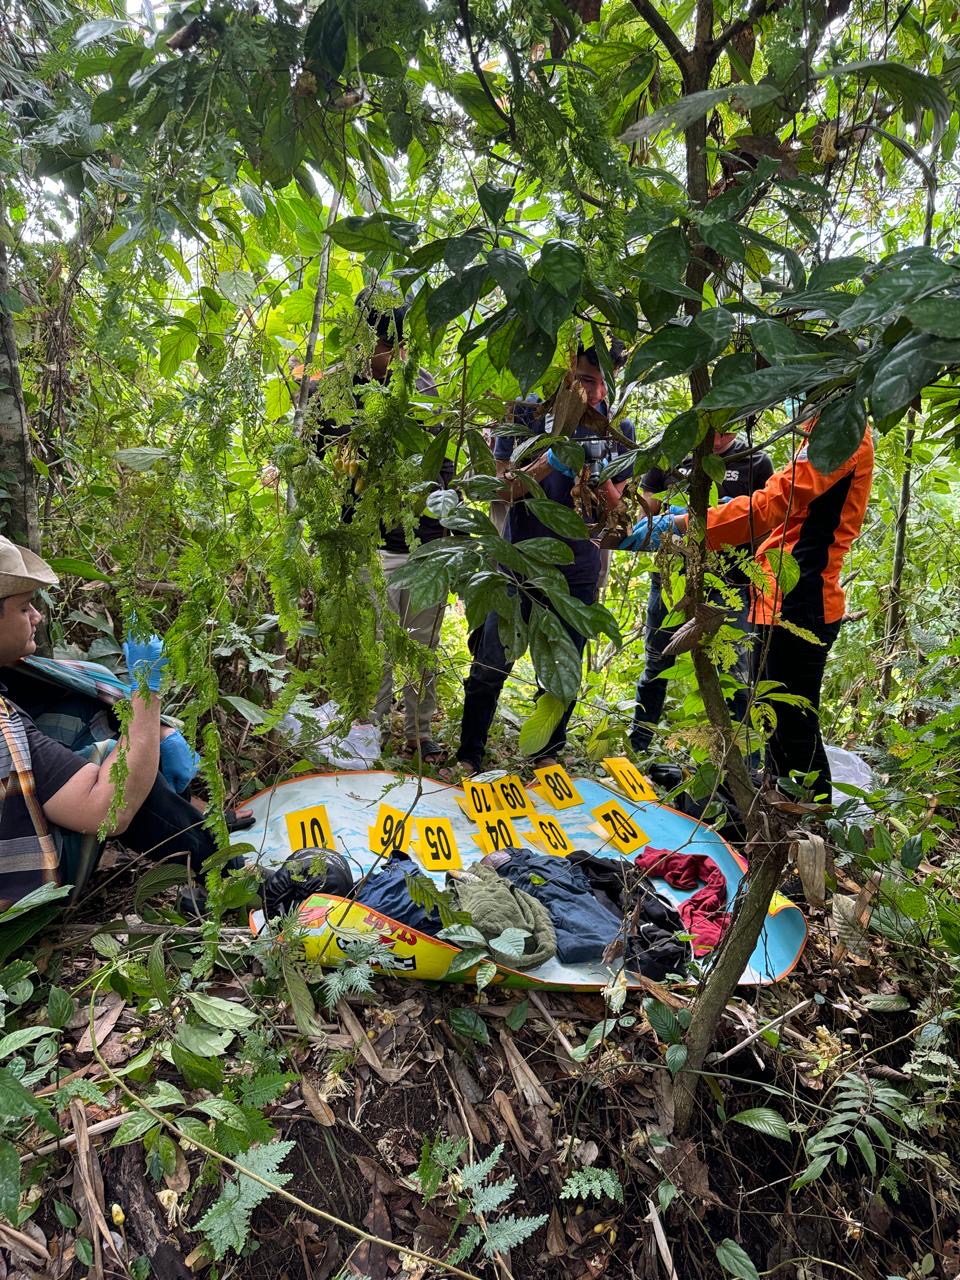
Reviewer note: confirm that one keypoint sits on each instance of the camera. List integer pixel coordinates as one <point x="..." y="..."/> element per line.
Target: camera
<point x="596" y="455"/>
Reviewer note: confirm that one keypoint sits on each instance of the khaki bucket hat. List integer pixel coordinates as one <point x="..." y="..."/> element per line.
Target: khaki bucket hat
<point x="21" y="570"/>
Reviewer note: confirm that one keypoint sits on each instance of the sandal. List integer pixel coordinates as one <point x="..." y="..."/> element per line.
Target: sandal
<point x="430" y="752"/>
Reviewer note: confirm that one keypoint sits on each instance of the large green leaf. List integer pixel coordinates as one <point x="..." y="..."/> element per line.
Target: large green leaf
<point x="691" y="107"/>
<point x="378" y="232"/>
<point x="678" y="348"/>
<point x="736" y="1261"/>
<point x="561" y="519"/>
<point x="509" y="270"/>
<point x="456" y="295"/>
<point x="837" y="433"/>
<point x="537" y="730"/>
<point x="561" y="263"/>
<point x="891" y="290"/>
<point x="555" y="658"/>
<point x="763" y="388"/>
<point x="916" y="92"/>
<point x="764" y="1120"/>
<point x="530" y="357"/>
<point x="495" y="200"/>
<point x="940" y="316"/>
<point x="907" y="369"/>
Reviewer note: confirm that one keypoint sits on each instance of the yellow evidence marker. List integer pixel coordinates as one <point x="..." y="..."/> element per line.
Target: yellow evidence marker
<point x="557" y="787"/>
<point x="309" y="828"/>
<point x="392" y="831"/>
<point x="624" y="833"/>
<point x="515" y="799"/>
<point x="629" y="779"/>
<point x="497" y="832"/>
<point x="549" y="834"/>
<point x="436" y="845"/>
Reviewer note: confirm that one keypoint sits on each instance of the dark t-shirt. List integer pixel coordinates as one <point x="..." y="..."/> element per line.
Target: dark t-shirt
<point x="53" y="765"/>
<point x="522" y="523"/>
<point x="427" y="528"/>
<point x="743" y="475"/>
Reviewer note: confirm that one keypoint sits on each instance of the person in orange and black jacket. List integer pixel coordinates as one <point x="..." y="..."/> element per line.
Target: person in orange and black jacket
<point x="815" y="518"/>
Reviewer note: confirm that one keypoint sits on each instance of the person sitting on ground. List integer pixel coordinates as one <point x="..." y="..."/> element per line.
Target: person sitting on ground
<point x="489" y="669"/>
<point x="47" y="787"/>
<point x="745" y="470"/>
<point x="420" y="696"/>
<point x="815" y="518"/>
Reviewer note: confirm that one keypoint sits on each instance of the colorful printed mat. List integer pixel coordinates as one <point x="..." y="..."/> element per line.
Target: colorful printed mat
<point x="445" y="827"/>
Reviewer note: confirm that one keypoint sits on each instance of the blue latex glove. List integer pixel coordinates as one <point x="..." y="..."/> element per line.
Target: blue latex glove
<point x="677" y="511"/>
<point x="145" y="661"/>
<point x="723" y="501"/>
<point x="558" y="465"/>
<point x="657" y="527"/>
<point x="178" y="760"/>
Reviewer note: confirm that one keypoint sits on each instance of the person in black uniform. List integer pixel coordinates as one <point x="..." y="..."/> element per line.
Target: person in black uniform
<point x="746" y="470"/>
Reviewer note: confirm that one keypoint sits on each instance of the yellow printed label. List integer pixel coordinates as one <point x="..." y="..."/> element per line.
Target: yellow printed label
<point x="629" y="778"/>
<point x="481" y="799"/>
<point x="557" y="787"/>
<point x="309" y="828"/>
<point x="496" y="832"/>
<point x="550" y="835"/>
<point x="514" y="797"/>
<point x="392" y="832"/>
<point x="624" y="833"/>
<point x="436" y="845"/>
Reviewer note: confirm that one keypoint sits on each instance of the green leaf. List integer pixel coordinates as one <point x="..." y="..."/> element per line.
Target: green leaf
<point x="301" y="1001"/>
<point x="907" y="369"/>
<point x="325" y="39"/>
<point x="222" y="1013"/>
<point x="940" y="316"/>
<point x="537" y="730"/>
<point x="226" y="1224"/>
<point x="663" y="1021"/>
<point x="529" y="358"/>
<point x="157" y="880"/>
<point x="156" y="972"/>
<point x="676" y="1058"/>
<point x="66" y="1215"/>
<point x="886" y="1003"/>
<point x="486" y="972"/>
<point x="735" y="1261"/>
<point x="510" y="272"/>
<point x="764" y="1120"/>
<point x="382" y="62"/>
<point x="866" y="1150"/>
<point x="510" y="943"/>
<point x="837" y="433"/>
<point x="692" y="107"/>
<point x="75" y="568"/>
<point x="812" y="1172"/>
<point x="202" y="1040"/>
<point x="9" y="1181"/>
<point x="554" y="655"/>
<point x="786" y="570"/>
<point x="84" y="1250"/>
<point x="253" y="200"/>
<point x="456" y="295"/>
<point x="60" y="1007"/>
<point x="15" y="1100"/>
<point x="682" y="435"/>
<point x="916" y="92"/>
<point x="461" y="251"/>
<point x="518" y="1015"/>
<point x="495" y="200"/>
<point x="132" y="1127"/>
<point x="894" y="288"/>
<point x="561" y="264"/>
<point x="249" y="710"/>
<point x="142" y="458"/>
<point x="376" y="233"/>
<point x="199" y="1072"/>
<point x="98" y="29"/>
<point x="561" y="519"/>
<point x="467" y="1022"/>
<point x="763" y="388"/>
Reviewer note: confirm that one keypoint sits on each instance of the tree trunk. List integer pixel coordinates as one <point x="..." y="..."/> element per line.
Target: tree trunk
<point x="19" y="519"/>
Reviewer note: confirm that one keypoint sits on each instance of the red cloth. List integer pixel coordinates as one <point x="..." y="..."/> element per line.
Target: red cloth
<point x="704" y="913"/>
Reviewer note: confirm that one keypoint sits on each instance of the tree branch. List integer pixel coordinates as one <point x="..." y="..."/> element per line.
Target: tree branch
<point x="662" y="29"/>
<point x="759" y="9"/>
<point x="478" y="70"/>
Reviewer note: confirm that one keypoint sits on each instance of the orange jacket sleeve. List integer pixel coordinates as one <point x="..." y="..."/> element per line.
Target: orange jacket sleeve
<point x="748" y="518"/>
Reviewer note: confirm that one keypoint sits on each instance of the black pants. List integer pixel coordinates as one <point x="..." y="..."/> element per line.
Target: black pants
<point x="488" y="675"/>
<point x="167" y="823"/>
<point x="799" y="666"/>
<point x="652" y="690"/>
